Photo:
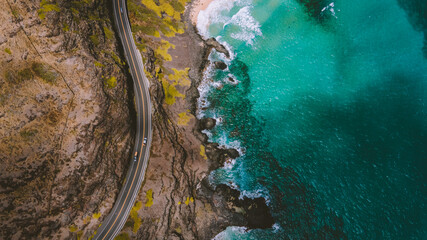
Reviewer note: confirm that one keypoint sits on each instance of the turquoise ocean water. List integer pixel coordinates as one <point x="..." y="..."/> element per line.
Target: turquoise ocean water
<point x="326" y="102"/>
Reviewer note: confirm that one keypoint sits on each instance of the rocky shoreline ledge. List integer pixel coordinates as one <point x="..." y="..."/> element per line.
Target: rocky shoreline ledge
<point x="184" y="205"/>
<point x="250" y="213"/>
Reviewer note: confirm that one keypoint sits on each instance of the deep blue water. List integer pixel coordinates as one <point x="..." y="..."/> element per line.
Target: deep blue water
<point x="328" y="109"/>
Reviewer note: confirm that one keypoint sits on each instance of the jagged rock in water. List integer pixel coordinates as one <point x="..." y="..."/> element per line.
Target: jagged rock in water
<point x="250" y="213"/>
<point x="212" y="42"/>
<point x="218" y="156"/>
<point x="220" y="65"/>
<point x="207" y="123"/>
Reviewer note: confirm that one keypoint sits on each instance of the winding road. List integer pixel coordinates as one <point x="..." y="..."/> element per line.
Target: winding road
<point x="135" y="176"/>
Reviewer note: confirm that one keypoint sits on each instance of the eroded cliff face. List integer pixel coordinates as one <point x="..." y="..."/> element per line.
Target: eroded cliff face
<point x="66" y="118"/>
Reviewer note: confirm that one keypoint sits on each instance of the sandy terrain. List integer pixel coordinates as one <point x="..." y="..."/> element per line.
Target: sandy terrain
<point x="198" y="5"/>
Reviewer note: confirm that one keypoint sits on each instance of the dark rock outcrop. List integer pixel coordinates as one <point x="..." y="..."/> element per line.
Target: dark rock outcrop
<point x="213" y="43"/>
<point x="207" y="123"/>
<point x="247" y="212"/>
<point x="220" y="65"/>
<point x="218" y="156"/>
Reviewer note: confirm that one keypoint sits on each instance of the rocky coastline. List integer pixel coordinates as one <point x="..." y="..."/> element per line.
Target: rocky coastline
<point x="64" y="191"/>
<point x="185" y="206"/>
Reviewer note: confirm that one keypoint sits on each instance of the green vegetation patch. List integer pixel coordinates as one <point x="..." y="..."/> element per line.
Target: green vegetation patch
<point x="20" y="76"/>
<point x="47" y="6"/>
<point x="44" y="72"/>
<point x="93" y="235"/>
<point x="122" y="236"/>
<point x="73" y="228"/>
<point x="96" y="215"/>
<point x="184" y="118"/>
<point x="15" y="13"/>
<point x="171" y="93"/>
<point x="203" y="152"/>
<point x="25" y="74"/>
<point x="94" y="17"/>
<point x="188" y="200"/>
<point x="157" y="16"/>
<point x="65" y="27"/>
<point x="98" y="64"/>
<point x="95" y="40"/>
<point x="79" y="234"/>
<point x="152" y="20"/>
<point x="149" y="198"/>
<point x="75" y="12"/>
<point x="134" y="216"/>
<point x="111" y="82"/>
<point x="108" y="33"/>
<point x="162" y="50"/>
<point x="117" y="58"/>
<point x="79" y="10"/>
<point x="28" y="134"/>
<point x="180" y="77"/>
<point x="166" y="13"/>
<point x="8" y="51"/>
<point x="86" y="220"/>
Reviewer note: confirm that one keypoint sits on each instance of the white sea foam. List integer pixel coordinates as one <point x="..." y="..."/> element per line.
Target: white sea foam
<point x="218" y="14"/>
<point x="208" y="133"/>
<point x="208" y="83"/>
<point x="260" y="192"/>
<point x="249" y="27"/>
<point x="276" y="228"/>
<point x="222" y="56"/>
<point x="225" y="143"/>
<point x="330" y="8"/>
<point x="212" y="14"/>
<point x="245" y="28"/>
<point x="225" y="235"/>
<point x="229" y="163"/>
<point x="250" y="194"/>
<point x="229" y="49"/>
<point x="233" y="185"/>
<point x="204" y="89"/>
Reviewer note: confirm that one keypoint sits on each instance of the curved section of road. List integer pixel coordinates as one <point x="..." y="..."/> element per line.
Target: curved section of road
<point x="120" y="212"/>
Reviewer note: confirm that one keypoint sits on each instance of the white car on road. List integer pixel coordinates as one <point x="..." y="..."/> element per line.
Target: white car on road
<point x="135" y="156"/>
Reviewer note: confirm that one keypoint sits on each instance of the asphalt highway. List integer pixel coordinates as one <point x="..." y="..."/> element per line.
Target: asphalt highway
<point x="114" y="222"/>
